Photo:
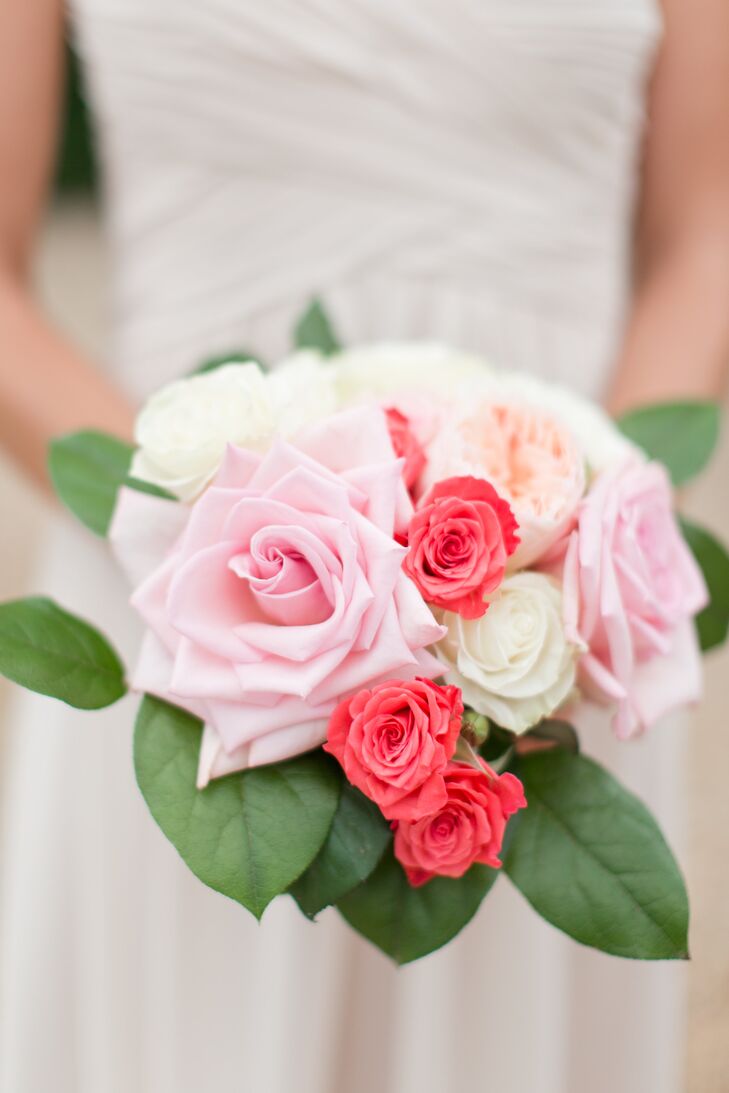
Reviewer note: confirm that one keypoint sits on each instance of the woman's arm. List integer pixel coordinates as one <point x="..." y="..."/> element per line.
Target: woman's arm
<point x="46" y="387"/>
<point x="677" y="341"/>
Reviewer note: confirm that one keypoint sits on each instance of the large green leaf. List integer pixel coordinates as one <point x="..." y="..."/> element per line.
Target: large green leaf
<point x="355" y="843"/>
<point x="406" y="922"/>
<point x="249" y="835"/>
<point x="87" y="469"/>
<point x="314" y="331"/>
<point x="44" y="648"/>
<point x="713" y="622"/>
<point x="682" y="435"/>
<point x="591" y="860"/>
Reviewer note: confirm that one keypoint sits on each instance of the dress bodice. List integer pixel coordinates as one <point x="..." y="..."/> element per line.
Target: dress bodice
<point x="461" y="169"/>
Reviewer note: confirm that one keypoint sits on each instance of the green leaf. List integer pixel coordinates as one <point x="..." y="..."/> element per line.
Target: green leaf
<point x="87" y="469"/>
<point x="556" y="732"/>
<point x="682" y="435"/>
<point x="355" y="843"/>
<point x="314" y="331"/>
<point x="249" y="835"/>
<point x="148" y="487"/>
<point x="235" y="356"/>
<point x="44" y="648"/>
<point x="591" y="860"/>
<point x="406" y="922"/>
<point x="713" y="622"/>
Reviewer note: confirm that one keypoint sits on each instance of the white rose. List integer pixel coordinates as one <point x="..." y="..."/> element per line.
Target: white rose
<point x="182" y="430"/>
<point x="302" y="391"/>
<point x="514" y="664"/>
<point x="388" y="369"/>
<point x="602" y="443"/>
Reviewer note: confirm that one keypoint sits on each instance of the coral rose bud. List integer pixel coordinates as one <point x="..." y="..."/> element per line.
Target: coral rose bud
<point x="469" y="827"/>
<point x="394" y="743"/>
<point x="459" y="543"/>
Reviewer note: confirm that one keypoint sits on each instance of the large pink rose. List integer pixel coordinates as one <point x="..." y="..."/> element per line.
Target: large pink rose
<point x="631" y="590"/>
<point x="283" y="592"/>
<point x="459" y="541"/>
<point x="394" y="742"/>
<point x="469" y="827"/>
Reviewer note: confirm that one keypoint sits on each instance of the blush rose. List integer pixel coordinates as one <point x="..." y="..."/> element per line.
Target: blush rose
<point x="394" y="743"/>
<point x="468" y="828"/>
<point x="459" y="543"/>
<point x="631" y="590"/>
<point x="279" y="591"/>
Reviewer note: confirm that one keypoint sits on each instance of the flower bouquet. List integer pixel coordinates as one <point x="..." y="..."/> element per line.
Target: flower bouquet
<point x="379" y="587"/>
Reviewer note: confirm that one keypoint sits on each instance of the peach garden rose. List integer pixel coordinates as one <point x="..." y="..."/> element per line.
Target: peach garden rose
<point x="530" y="458"/>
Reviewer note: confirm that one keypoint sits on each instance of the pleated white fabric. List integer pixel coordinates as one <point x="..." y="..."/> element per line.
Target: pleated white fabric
<point x="462" y="170"/>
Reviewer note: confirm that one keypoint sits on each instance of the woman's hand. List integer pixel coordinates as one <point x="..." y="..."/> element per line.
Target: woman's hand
<point x="677" y="339"/>
<point x="46" y="387"/>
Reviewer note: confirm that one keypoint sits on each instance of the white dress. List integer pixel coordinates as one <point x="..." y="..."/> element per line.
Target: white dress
<point x="458" y="169"/>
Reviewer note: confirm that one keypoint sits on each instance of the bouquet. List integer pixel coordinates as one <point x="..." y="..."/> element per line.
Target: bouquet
<point x="379" y="587"/>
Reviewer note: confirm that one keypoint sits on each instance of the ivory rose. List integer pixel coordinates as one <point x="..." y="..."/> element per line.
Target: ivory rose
<point x="388" y="369"/>
<point x="302" y="391"/>
<point x="182" y="430"/>
<point x="394" y="743"/>
<point x="515" y="664"/>
<point x="527" y="455"/>
<point x="631" y="589"/>
<point x="469" y="827"/>
<point x="459" y="541"/>
<point x="283" y="591"/>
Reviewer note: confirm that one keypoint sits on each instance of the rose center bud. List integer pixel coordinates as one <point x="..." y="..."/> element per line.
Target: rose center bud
<point x="444" y="827"/>
<point x="454" y="547"/>
<point x="393" y="736"/>
<point x="287" y="576"/>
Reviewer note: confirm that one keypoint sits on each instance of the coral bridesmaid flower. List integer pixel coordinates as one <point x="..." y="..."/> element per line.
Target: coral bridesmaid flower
<point x="459" y="543"/>
<point x="394" y="743"/>
<point x="468" y="828"/>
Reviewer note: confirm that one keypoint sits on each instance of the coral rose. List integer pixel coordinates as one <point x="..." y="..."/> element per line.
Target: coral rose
<point x="406" y="445"/>
<point x="529" y="456"/>
<point x="631" y="589"/>
<point x="468" y="828"/>
<point x="459" y="542"/>
<point x="394" y="743"/>
<point x="283" y="592"/>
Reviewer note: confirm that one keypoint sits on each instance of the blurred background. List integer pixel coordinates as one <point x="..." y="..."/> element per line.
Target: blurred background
<point x="71" y="279"/>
